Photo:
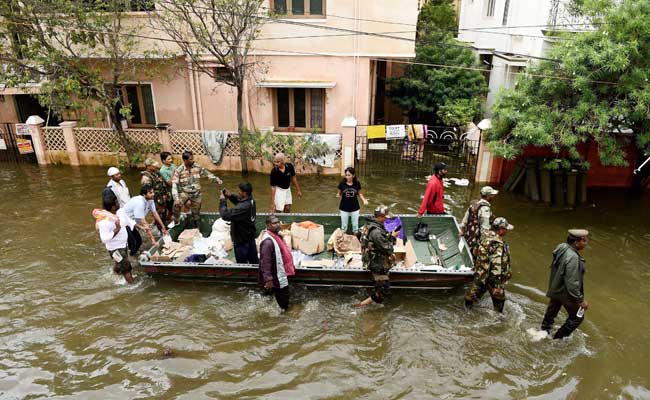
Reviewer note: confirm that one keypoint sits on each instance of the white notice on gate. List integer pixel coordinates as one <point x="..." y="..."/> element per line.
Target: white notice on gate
<point x="23" y="129"/>
<point x="3" y="145"/>
<point x="395" y="132"/>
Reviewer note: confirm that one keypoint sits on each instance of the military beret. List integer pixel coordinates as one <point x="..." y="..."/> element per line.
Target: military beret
<point x="501" y="222"/>
<point x="151" y="162"/>
<point x="578" y="233"/>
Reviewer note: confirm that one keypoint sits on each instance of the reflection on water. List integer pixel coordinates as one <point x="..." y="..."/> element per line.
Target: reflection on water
<point x="70" y="329"/>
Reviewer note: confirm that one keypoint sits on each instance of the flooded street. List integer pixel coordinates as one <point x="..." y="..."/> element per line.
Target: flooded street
<point x="70" y="329"/>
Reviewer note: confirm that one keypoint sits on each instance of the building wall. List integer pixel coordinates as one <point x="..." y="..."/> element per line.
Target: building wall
<point x="8" y="112"/>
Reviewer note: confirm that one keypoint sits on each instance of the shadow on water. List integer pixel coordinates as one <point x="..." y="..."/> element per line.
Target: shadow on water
<point x="70" y="329"/>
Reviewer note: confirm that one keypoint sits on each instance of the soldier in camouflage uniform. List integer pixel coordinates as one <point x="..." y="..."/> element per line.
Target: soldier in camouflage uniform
<point x="478" y="217"/>
<point x="150" y="176"/>
<point x="186" y="187"/>
<point x="492" y="266"/>
<point x="377" y="254"/>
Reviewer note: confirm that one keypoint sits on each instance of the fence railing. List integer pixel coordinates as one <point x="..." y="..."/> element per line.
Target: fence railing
<point x="416" y="157"/>
<point x="104" y="140"/>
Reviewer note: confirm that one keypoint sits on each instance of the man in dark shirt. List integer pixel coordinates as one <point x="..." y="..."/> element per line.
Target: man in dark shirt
<point x="282" y="174"/>
<point x="242" y="222"/>
<point x="566" y="284"/>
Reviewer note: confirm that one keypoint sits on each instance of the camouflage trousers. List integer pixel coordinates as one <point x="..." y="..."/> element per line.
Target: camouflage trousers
<point x="478" y="289"/>
<point x="381" y="288"/>
<point x="194" y="202"/>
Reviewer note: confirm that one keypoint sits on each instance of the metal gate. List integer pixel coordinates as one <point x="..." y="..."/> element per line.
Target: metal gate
<point x="411" y="158"/>
<point x="9" y="150"/>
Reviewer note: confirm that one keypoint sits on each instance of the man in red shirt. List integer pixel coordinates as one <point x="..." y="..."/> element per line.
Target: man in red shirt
<point x="433" y="201"/>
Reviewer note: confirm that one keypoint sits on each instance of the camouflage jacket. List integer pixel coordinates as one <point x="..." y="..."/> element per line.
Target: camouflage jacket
<point x="492" y="264"/>
<point x="187" y="180"/>
<point x="161" y="194"/>
<point x="377" y="247"/>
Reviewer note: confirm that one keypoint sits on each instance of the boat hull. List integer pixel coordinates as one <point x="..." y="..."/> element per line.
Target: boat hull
<point x="241" y="274"/>
<point x="456" y="270"/>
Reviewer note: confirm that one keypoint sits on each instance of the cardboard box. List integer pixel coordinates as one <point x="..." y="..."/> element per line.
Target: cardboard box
<point x="405" y="252"/>
<point x="308" y="237"/>
<point x="286" y="236"/>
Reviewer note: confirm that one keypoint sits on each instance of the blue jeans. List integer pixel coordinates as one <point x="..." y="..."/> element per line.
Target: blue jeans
<point x="344" y="220"/>
<point x="246" y="253"/>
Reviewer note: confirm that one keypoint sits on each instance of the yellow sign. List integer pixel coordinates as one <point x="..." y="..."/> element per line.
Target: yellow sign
<point x="376" y="132"/>
<point x="24" y="146"/>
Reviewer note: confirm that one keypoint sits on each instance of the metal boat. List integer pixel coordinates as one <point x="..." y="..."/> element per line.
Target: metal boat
<point x="443" y="261"/>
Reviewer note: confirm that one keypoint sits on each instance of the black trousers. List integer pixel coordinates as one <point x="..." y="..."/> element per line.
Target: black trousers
<point x="246" y="253"/>
<point x="134" y="240"/>
<point x="571" y="323"/>
<point x="281" y="296"/>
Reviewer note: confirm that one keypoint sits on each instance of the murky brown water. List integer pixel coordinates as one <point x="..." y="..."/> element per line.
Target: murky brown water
<point x="69" y="330"/>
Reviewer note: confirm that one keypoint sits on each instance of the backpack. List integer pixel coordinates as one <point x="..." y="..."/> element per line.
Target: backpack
<point x="366" y="244"/>
<point x="421" y="232"/>
<point x="473" y="229"/>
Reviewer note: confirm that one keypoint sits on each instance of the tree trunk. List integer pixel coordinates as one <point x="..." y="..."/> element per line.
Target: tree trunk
<point x="240" y="129"/>
<point x="121" y="137"/>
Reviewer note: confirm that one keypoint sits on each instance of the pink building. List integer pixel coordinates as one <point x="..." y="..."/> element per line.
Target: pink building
<point x="314" y="75"/>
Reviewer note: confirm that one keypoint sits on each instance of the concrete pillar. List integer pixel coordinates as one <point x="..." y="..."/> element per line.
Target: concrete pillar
<point x="38" y="143"/>
<point x="70" y="141"/>
<point x="348" y="129"/>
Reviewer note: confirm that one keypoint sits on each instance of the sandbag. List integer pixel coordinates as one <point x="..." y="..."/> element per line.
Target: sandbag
<point x="347" y="244"/>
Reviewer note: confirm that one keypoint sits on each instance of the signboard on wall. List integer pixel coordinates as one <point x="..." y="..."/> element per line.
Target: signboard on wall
<point x="3" y="145"/>
<point x="395" y="132"/>
<point x="24" y="146"/>
<point x="23" y="129"/>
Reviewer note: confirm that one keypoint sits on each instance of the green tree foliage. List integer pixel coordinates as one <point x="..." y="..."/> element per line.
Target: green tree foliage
<point x="80" y="52"/>
<point x="598" y="89"/>
<point x="449" y="95"/>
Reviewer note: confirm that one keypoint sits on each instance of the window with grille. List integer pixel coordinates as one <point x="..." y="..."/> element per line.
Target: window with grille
<point x="140" y="99"/>
<point x="221" y="74"/>
<point x="505" y="13"/>
<point x="491" y="4"/>
<point x="302" y="110"/>
<point x="299" y="8"/>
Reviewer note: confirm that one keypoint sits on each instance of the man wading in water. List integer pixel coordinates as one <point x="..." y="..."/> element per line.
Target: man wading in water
<point x="566" y="286"/>
<point x="377" y="254"/>
<point x="111" y="224"/>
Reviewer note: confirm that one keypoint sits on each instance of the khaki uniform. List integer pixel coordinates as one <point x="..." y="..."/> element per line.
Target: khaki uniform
<point x="377" y="254"/>
<point x="492" y="271"/>
<point x="186" y="187"/>
<point x="476" y="223"/>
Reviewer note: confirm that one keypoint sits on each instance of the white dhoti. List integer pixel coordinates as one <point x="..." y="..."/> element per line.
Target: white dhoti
<point x="282" y="198"/>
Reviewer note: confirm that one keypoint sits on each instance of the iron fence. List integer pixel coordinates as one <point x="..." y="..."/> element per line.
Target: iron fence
<point x="10" y="151"/>
<point x="416" y="157"/>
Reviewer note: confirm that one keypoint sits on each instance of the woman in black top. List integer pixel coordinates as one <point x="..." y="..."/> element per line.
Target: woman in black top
<point x="349" y="193"/>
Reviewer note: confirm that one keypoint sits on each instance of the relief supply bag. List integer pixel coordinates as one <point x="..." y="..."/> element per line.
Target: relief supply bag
<point x="421" y="232"/>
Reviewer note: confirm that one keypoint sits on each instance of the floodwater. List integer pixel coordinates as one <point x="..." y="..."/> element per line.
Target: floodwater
<point x="70" y="329"/>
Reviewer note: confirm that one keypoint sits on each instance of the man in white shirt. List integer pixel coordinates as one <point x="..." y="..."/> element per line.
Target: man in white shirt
<point x="137" y="209"/>
<point x="113" y="233"/>
<point x="118" y="186"/>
